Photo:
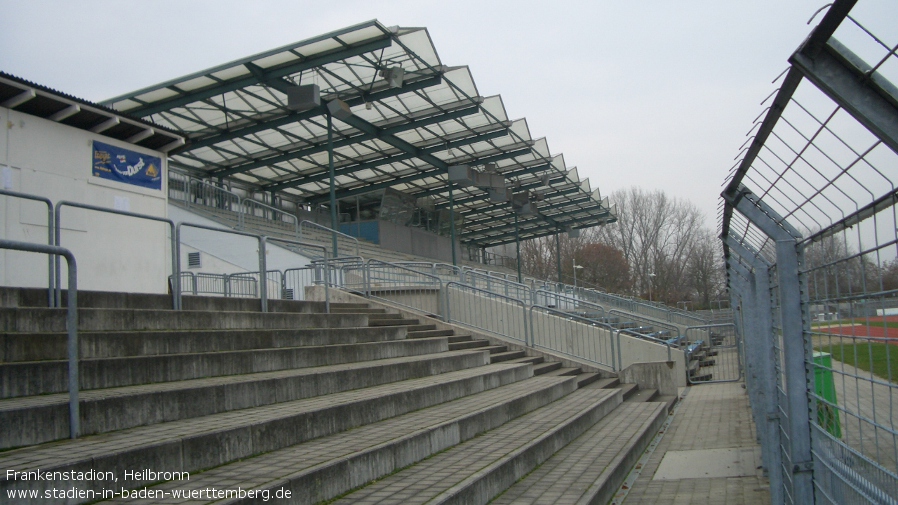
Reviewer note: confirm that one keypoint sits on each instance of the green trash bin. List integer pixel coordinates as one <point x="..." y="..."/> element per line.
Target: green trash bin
<point x="827" y="415"/>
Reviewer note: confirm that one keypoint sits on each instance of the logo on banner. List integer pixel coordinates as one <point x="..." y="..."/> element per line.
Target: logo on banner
<point x="123" y="165"/>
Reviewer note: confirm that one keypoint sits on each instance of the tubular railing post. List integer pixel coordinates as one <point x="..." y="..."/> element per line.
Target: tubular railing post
<point x="72" y="347"/>
<point x="263" y="275"/>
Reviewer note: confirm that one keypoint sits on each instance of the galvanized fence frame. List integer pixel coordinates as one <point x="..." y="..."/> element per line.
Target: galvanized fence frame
<point x="810" y="235"/>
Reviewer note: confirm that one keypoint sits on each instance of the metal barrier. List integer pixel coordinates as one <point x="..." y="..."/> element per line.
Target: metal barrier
<point x="575" y="336"/>
<point x="50" y="274"/>
<point x="71" y="322"/>
<point x="498" y="284"/>
<point x="305" y="276"/>
<point x="486" y="311"/>
<point x="256" y="209"/>
<point x="175" y="248"/>
<point x="809" y="234"/>
<point x="263" y="282"/>
<point x="646" y="327"/>
<point x="568" y="304"/>
<point x="418" y="291"/>
<point x="306" y="227"/>
<point x="211" y="196"/>
<point x="713" y="353"/>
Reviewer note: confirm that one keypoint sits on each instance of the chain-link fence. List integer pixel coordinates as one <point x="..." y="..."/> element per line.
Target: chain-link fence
<point x="809" y="233"/>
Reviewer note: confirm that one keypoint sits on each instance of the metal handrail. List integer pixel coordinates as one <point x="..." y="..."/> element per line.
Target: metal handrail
<point x="448" y="317"/>
<point x="239" y="211"/>
<point x="576" y="301"/>
<point x="176" y="264"/>
<point x="615" y="364"/>
<point x="50" y="227"/>
<point x="274" y="211"/>
<point x="71" y="321"/>
<point x="263" y="283"/>
<point x="331" y="231"/>
<point x="646" y="320"/>
<point x="327" y="300"/>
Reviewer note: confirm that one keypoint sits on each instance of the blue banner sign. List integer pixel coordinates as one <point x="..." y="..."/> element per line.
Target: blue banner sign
<point x="122" y="165"/>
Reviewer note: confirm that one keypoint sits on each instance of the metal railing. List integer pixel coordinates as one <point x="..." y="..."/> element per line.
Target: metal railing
<point x="71" y="322"/>
<point x="175" y="247"/>
<point x="497" y="283"/>
<point x="487" y="311"/>
<point x="575" y="336"/>
<point x="809" y="233"/>
<point x="51" y="300"/>
<point x="349" y="243"/>
<point x="262" y="279"/>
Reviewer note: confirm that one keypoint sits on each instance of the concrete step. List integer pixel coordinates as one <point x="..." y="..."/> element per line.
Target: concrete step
<point x="498" y="357"/>
<point x="37" y="419"/>
<point x="190" y="445"/>
<point x="495" y="349"/>
<point x="115" y="344"/>
<point x="355" y="310"/>
<point x="546" y="367"/>
<point x="563" y="372"/>
<point x="502" y="455"/>
<point x="470" y="344"/>
<point x="321" y="469"/>
<point x="45" y="377"/>
<point x="598" y="461"/>
<point x="421" y="327"/>
<point x="612" y="382"/>
<point x="528" y="359"/>
<point x="37" y="298"/>
<point x="590" y="378"/>
<point x="30" y="319"/>
<point x="383" y="315"/>
<point x="644" y="395"/>
<point x="392" y="322"/>
<point x="628" y="390"/>
<point x="430" y="333"/>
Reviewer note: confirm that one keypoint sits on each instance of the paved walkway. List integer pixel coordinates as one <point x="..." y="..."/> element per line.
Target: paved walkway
<point x="708" y="455"/>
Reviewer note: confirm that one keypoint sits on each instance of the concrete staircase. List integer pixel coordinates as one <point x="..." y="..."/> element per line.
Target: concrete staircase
<point x="297" y="402"/>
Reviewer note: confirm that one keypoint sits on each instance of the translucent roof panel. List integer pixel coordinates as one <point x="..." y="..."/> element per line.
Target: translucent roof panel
<point x="410" y="118"/>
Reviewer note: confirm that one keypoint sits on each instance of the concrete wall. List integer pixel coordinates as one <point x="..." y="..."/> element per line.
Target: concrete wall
<point x="114" y="253"/>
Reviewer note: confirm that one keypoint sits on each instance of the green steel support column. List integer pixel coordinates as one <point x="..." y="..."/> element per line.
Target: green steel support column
<point x="517" y="244"/>
<point x="330" y="165"/>
<point x="558" y="254"/>
<point x="452" y="224"/>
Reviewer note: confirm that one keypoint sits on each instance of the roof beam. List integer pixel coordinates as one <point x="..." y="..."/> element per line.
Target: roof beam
<point x="401" y="180"/>
<point x="322" y="147"/>
<point x="293" y="117"/>
<point x="348" y="170"/>
<point x="539" y="230"/>
<point x="240" y="82"/>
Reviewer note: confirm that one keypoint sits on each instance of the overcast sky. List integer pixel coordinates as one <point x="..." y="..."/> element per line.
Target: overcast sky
<point x="656" y="94"/>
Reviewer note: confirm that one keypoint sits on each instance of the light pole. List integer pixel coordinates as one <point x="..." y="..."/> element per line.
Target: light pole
<point x="651" y="281"/>
<point x="576" y="266"/>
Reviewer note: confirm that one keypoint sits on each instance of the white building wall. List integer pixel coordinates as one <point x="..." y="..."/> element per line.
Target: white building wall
<point x="114" y="253"/>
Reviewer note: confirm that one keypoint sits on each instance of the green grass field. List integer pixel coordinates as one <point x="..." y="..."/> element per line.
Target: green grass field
<point x="884" y="357"/>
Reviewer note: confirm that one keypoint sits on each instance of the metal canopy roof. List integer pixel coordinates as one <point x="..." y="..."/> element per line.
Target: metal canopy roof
<point x="405" y="136"/>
